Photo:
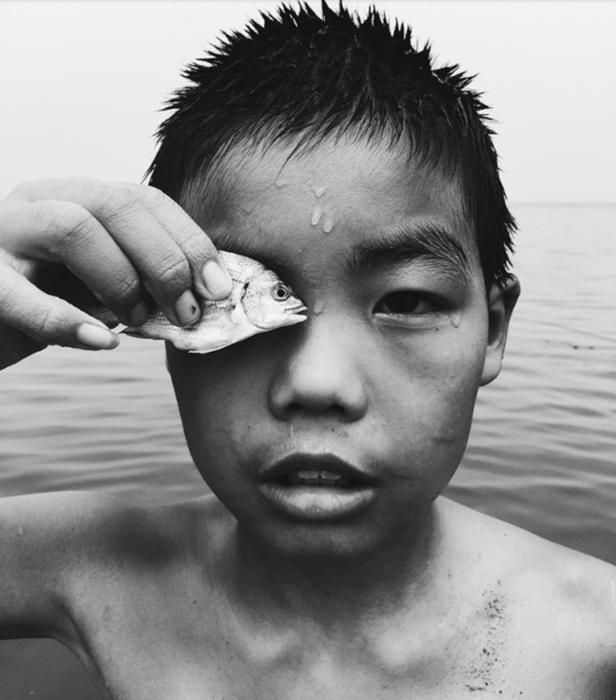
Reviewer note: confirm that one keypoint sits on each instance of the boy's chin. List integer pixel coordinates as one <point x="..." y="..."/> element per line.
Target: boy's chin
<point x="365" y="536"/>
<point x="316" y="542"/>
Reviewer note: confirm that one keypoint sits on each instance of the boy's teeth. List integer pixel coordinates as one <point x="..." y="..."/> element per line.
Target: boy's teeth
<point x="315" y="477"/>
<point x="329" y="477"/>
<point x="306" y="475"/>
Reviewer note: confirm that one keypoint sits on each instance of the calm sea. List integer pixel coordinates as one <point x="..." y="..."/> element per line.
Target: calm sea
<point x="542" y="453"/>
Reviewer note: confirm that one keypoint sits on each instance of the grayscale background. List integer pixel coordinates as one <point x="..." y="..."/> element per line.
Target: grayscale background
<point x="81" y="84"/>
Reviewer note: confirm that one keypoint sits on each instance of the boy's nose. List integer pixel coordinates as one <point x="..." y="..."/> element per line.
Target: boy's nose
<point x="320" y="373"/>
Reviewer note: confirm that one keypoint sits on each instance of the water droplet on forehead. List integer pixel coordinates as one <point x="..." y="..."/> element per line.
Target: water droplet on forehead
<point x="318" y="307"/>
<point x="281" y="182"/>
<point x="328" y="224"/>
<point x="317" y="212"/>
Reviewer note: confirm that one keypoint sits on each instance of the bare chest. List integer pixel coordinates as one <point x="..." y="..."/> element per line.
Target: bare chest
<point x="176" y="651"/>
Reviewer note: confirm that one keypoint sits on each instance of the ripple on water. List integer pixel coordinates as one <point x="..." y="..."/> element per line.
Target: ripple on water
<point x="540" y="455"/>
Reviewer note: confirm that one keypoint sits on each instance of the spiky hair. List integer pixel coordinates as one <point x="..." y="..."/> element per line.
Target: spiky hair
<point x="298" y="73"/>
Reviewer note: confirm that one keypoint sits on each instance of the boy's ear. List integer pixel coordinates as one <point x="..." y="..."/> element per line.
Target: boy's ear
<point x="502" y="297"/>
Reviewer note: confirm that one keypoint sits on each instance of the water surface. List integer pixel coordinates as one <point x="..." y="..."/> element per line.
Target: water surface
<point x="541" y="453"/>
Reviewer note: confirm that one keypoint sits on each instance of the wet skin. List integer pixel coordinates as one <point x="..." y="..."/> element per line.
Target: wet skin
<point x="385" y="372"/>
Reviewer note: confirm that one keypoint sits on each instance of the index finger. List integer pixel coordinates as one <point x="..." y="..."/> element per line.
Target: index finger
<point x="102" y="199"/>
<point x="210" y="275"/>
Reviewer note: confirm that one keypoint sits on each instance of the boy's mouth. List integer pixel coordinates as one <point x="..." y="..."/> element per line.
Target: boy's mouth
<point x="322" y="477"/>
<point x="317" y="487"/>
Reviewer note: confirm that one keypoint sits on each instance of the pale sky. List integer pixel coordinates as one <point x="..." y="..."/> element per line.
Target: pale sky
<point x="81" y="83"/>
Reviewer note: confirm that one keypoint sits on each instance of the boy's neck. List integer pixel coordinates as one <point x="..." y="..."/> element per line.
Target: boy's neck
<point x="325" y="590"/>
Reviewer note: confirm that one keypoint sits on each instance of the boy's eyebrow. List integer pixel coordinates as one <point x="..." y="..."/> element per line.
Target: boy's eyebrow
<point x="408" y="242"/>
<point x="427" y="240"/>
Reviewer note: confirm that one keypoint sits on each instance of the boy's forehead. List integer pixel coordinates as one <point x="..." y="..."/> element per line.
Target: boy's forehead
<point x="345" y="168"/>
<point x="342" y="188"/>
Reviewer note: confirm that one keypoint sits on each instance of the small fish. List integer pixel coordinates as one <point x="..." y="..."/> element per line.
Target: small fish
<point x="259" y="302"/>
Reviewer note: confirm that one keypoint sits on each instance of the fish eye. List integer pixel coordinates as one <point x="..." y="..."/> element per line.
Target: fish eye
<point x="280" y="291"/>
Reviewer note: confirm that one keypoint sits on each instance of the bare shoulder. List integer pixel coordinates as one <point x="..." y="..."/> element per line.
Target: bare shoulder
<point x="571" y="595"/>
<point x="559" y="604"/>
<point x="53" y="545"/>
<point x="58" y="526"/>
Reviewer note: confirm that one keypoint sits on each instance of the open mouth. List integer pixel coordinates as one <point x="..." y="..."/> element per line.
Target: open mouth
<point x="297" y="308"/>
<point x="296" y="313"/>
<point x="317" y="487"/>
<point x="317" y="470"/>
<point x="322" y="477"/>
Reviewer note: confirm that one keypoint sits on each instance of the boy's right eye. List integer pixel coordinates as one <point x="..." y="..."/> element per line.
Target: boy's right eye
<point x="405" y="302"/>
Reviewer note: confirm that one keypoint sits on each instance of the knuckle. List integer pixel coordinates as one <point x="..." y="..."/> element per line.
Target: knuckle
<point x="198" y="247"/>
<point x="62" y="222"/>
<point x="153" y="197"/>
<point x="173" y="273"/>
<point x="126" y="290"/>
<point x="116" y="201"/>
<point x="46" y="324"/>
<point x="7" y="300"/>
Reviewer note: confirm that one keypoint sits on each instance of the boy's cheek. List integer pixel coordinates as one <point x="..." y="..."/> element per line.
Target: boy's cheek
<point x="429" y="397"/>
<point x="443" y="365"/>
<point x="421" y="394"/>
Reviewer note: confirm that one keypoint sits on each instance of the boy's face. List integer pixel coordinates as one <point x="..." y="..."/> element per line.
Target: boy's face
<point x="381" y="377"/>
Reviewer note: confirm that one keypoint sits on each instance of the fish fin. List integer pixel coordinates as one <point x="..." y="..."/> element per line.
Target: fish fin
<point x="238" y="316"/>
<point x="238" y="313"/>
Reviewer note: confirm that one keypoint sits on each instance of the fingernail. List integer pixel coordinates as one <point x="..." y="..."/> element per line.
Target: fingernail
<point x="187" y="309"/>
<point x="217" y="280"/>
<point x="138" y="315"/>
<point x="96" y="337"/>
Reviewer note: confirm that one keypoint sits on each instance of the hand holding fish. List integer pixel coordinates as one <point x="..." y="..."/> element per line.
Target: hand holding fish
<point x="259" y="302"/>
<point x="66" y="245"/>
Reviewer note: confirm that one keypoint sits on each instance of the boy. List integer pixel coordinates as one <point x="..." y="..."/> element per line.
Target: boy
<point x="328" y="565"/>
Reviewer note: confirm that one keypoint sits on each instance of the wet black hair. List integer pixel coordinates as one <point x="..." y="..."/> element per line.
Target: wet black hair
<point x="299" y="73"/>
